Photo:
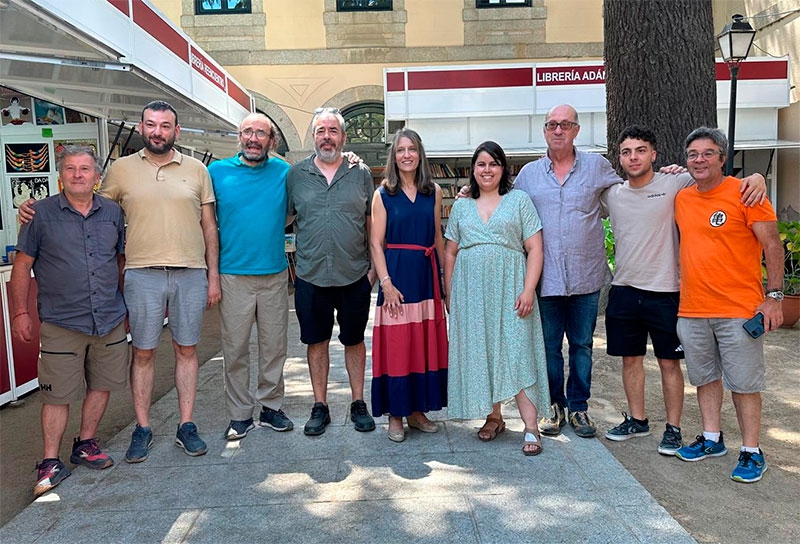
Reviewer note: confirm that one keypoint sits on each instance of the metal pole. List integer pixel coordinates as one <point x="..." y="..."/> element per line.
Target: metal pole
<point x="734" y="67"/>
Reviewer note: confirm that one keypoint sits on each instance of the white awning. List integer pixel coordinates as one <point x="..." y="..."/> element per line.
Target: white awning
<point x="746" y="145"/>
<point x="108" y="58"/>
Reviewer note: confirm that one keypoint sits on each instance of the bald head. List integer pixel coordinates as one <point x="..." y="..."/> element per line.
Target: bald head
<point x="560" y="129"/>
<point x="256" y="137"/>
<point x="562" y="111"/>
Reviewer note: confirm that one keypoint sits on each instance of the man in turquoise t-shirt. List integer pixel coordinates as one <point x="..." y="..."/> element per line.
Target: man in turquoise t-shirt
<point x="251" y="211"/>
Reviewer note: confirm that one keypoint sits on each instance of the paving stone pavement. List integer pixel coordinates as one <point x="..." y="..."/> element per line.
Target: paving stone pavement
<point x="345" y="486"/>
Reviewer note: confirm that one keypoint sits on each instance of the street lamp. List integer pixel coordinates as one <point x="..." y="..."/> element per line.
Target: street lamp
<point x="734" y="43"/>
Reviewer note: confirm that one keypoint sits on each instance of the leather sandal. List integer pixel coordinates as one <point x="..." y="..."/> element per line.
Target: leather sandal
<point x="492" y="427"/>
<point x="532" y="447"/>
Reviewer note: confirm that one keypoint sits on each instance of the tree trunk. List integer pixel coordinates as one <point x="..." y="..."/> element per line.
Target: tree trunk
<point x="659" y="57"/>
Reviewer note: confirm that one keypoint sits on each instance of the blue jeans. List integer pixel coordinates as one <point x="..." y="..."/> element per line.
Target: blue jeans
<point x="576" y="316"/>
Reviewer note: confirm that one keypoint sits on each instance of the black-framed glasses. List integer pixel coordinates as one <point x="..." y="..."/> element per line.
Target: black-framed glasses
<point x="260" y="134"/>
<point x="707" y="155"/>
<point x="550" y="126"/>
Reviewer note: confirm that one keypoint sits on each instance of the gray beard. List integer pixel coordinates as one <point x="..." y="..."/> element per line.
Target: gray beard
<point x="328" y="157"/>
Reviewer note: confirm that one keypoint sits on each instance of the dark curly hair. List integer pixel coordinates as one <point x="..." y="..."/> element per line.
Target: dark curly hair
<point x="636" y="132"/>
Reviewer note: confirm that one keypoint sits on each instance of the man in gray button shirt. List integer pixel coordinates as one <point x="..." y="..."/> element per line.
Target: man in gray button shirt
<point x="331" y="200"/>
<point x="75" y="247"/>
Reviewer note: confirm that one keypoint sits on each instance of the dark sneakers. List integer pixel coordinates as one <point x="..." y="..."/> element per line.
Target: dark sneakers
<point x="89" y="454"/>
<point x="671" y="442"/>
<point x="320" y="418"/>
<point x="141" y="442"/>
<point x="275" y="419"/>
<point x="188" y="439"/>
<point x="629" y="428"/>
<point x="360" y="417"/>
<point x="238" y="429"/>
<point x="702" y="448"/>
<point x="551" y="426"/>
<point x="582" y="424"/>
<point x="49" y="473"/>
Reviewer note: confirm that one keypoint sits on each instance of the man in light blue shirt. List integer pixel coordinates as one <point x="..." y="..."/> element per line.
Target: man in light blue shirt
<point x="565" y="186"/>
<point x="251" y="212"/>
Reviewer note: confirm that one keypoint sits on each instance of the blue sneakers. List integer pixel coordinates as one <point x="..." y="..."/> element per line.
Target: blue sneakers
<point x="141" y="442"/>
<point x="702" y="448"/>
<point x="188" y="439"/>
<point x="750" y="468"/>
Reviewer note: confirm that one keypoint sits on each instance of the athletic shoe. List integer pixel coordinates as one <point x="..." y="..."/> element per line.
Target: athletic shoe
<point x="88" y="454"/>
<point x="188" y="439"/>
<point x="629" y="428"/>
<point x="360" y="417"/>
<point x="750" y="468"/>
<point x="320" y="418"/>
<point x="50" y="473"/>
<point x="582" y="424"/>
<point x="141" y="442"/>
<point x="551" y="426"/>
<point x="275" y="419"/>
<point x="702" y="448"/>
<point x="238" y="429"/>
<point x="671" y="442"/>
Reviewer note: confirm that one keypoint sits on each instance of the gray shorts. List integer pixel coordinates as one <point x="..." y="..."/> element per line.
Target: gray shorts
<point x="720" y="348"/>
<point x="150" y="293"/>
<point x="71" y="362"/>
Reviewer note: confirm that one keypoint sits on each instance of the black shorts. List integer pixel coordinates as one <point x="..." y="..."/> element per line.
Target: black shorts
<point x="315" y="306"/>
<point x="633" y="313"/>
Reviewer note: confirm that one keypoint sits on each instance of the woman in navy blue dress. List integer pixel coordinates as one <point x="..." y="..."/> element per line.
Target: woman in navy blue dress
<point x="409" y="342"/>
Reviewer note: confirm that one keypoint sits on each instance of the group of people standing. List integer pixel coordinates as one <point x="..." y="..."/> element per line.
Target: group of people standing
<point x="519" y="266"/>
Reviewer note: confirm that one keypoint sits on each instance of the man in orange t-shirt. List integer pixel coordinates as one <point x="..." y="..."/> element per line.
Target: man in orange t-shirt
<point x="720" y="257"/>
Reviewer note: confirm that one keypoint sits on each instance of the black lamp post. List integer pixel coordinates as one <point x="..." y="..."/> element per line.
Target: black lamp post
<point x="734" y="43"/>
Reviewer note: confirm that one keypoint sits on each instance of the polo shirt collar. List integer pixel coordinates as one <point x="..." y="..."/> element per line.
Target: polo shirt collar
<point x="177" y="157"/>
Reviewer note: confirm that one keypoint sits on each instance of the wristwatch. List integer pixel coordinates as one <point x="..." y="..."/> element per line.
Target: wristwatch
<point x="777" y="294"/>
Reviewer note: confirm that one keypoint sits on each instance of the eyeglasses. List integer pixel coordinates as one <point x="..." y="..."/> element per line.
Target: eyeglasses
<point x="326" y="110"/>
<point x="565" y="125"/>
<point x="707" y="155"/>
<point x="260" y="134"/>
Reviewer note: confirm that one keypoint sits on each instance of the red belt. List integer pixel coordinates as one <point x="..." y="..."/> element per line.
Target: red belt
<point x="429" y="252"/>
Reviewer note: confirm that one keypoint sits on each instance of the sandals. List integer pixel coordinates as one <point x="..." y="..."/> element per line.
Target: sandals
<point x="530" y="446"/>
<point x="492" y="427"/>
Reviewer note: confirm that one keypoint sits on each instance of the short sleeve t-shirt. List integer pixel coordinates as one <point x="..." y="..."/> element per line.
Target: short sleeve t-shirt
<point x="720" y="255"/>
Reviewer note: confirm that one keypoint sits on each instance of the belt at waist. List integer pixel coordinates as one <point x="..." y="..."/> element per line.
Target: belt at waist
<point x="429" y="252"/>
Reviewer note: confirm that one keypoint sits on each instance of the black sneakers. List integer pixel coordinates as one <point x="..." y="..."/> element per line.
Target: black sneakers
<point x="629" y="428"/>
<point x="360" y="417"/>
<point x="320" y="418"/>
<point x="671" y="442"/>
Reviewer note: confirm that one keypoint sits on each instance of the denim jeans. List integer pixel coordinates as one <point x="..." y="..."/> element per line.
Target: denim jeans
<point x="576" y="316"/>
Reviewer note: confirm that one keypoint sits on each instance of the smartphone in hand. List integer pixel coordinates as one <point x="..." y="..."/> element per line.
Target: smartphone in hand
<point x="755" y="325"/>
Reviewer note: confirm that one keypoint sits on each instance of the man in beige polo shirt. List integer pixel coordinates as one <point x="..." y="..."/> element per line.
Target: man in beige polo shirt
<point x="172" y="253"/>
<point x="172" y="262"/>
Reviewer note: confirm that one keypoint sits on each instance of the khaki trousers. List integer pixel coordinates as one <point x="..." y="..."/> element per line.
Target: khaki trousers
<point x="263" y="300"/>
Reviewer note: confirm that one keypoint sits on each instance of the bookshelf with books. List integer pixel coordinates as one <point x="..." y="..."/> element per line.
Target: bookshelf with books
<point x="452" y="176"/>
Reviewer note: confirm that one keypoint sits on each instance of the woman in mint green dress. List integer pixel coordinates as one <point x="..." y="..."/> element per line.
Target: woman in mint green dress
<point x="493" y="261"/>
